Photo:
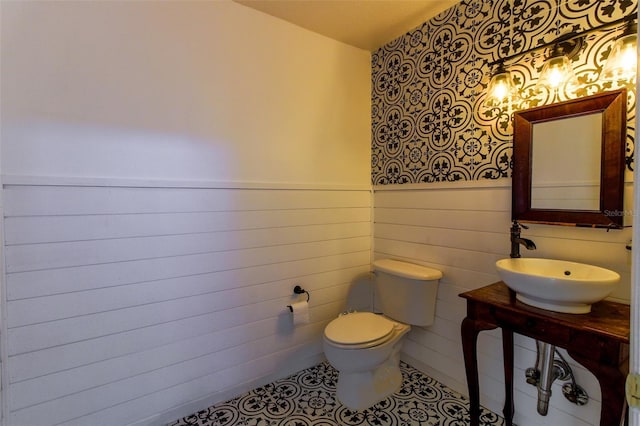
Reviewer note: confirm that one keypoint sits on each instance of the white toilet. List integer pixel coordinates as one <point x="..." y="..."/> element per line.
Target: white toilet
<point x="365" y="347"/>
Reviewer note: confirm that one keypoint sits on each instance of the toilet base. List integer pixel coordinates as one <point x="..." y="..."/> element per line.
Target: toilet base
<point x="361" y="390"/>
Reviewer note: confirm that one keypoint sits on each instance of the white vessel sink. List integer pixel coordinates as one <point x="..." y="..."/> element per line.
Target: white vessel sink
<point x="557" y="285"/>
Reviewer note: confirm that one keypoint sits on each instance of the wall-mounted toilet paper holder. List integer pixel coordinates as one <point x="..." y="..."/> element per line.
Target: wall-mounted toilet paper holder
<point x="299" y="290"/>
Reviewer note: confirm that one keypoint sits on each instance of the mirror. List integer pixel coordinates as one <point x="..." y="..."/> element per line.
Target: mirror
<point x="555" y="186"/>
<point x="568" y="162"/>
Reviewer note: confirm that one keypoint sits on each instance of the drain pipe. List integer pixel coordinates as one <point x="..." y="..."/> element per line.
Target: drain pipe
<point x="547" y="370"/>
<point x="546" y="377"/>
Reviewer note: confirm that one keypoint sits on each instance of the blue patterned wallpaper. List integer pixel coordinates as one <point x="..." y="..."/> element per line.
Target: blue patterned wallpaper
<point x="429" y="121"/>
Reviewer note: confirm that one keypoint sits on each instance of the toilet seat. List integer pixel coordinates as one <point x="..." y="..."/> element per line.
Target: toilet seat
<point x="359" y="330"/>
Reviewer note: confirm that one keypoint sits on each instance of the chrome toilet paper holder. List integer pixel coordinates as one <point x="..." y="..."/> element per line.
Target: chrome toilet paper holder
<point x="299" y="290"/>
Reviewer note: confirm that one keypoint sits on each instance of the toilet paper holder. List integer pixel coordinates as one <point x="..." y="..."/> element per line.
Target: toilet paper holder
<point x="299" y="290"/>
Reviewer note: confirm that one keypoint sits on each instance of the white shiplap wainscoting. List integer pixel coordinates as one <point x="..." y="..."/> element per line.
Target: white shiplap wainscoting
<point x="142" y="303"/>
<point x="462" y="229"/>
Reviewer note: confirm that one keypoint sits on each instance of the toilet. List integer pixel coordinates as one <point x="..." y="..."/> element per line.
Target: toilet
<point x="365" y="347"/>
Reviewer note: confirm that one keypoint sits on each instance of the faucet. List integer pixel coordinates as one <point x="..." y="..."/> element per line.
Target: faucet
<point x="516" y="240"/>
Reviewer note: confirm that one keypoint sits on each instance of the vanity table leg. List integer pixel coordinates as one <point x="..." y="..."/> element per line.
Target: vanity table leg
<point x="470" y="329"/>
<point x="469" y="340"/>
<point x="612" y="384"/>
<point x="507" y="353"/>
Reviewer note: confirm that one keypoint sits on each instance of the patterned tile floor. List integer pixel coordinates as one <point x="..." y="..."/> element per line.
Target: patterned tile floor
<point x="308" y="398"/>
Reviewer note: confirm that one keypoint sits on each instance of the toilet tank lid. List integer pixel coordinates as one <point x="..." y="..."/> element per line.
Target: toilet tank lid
<point x="406" y="270"/>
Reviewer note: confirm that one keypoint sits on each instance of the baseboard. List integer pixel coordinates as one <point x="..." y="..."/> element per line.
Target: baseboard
<point x="446" y="380"/>
<point x="487" y="402"/>
<point x="229" y="393"/>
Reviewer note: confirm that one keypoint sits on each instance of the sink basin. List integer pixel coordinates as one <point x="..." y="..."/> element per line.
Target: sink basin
<point x="557" y="285"/>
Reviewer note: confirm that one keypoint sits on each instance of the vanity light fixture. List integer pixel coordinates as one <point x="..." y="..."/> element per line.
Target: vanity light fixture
<point x="623" y="59"/>
<point x="557" y="71"/>
<point x="501" y="87"/>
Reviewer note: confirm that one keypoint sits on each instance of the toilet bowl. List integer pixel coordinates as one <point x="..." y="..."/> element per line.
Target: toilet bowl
<point x="365" y="347"/>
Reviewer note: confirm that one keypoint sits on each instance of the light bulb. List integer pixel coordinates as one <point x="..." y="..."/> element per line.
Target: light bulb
<point x="501" y="87"/>
<point x="556" y="71"/>
<point x="623" y="59"/>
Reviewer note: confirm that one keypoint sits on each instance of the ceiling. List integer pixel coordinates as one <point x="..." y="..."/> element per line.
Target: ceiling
<point x="367" y="24"/>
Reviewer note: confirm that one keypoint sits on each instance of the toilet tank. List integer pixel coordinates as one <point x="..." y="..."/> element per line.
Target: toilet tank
<point x="406" y="291"/>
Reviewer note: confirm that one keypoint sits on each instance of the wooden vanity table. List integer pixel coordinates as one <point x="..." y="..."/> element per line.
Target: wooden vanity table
<point x="598" y="340"/>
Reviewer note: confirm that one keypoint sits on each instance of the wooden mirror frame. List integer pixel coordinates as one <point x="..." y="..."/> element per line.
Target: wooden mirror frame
<point x="613" y="107"/>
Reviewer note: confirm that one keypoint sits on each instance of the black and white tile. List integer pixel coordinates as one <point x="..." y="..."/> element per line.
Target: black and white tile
<point x="429" y="120"/>
<point x="308" y="398"/>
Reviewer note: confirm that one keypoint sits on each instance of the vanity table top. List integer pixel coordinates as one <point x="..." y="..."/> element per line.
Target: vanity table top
<point x="610" y="319"/>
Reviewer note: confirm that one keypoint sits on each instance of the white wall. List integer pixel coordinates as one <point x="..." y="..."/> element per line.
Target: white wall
<point x="179" y="90"/>
<point x="128" y="302"/>
<point x="462" y="229"/>
<point x="170" y="171"/>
